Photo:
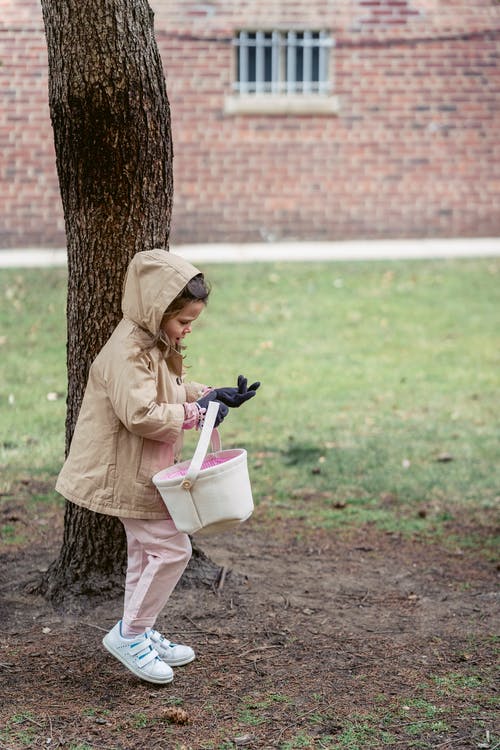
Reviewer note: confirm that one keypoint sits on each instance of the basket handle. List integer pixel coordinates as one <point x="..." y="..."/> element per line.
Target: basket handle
<point x="208" y="434"/>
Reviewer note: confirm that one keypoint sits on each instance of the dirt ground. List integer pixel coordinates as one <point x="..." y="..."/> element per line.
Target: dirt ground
<point x="310" y="640"/>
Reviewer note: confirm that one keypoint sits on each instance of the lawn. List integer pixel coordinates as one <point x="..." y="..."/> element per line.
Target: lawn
<point x="379" y="397"/>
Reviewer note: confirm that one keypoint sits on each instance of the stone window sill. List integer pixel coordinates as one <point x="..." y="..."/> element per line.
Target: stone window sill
<point x="281" y="104"/>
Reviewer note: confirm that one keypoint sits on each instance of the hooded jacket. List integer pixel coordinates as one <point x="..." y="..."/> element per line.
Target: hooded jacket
<point x="130" y="421"/>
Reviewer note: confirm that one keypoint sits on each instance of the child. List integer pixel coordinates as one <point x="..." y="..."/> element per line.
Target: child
<point x="134" y="410"/>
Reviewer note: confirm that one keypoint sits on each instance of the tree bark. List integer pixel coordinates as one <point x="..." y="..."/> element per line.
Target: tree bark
<point x="111" y="121"/>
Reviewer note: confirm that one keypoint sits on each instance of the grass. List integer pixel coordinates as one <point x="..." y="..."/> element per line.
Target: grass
<point x="32" y="372"/>
<point x="379" y="398"/>
<point x="424" y="719"/>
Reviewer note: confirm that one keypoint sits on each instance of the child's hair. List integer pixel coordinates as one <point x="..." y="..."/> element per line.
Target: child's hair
<point x="196" y="290"/>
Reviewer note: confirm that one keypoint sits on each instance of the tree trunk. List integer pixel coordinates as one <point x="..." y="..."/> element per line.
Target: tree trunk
<point x="111" y="122"/>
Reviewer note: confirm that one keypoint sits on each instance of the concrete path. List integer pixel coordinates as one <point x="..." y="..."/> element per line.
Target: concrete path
<point x="291" y="251"/>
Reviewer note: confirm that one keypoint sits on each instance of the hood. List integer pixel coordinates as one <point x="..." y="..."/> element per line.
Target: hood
<point x="154" y="278"/>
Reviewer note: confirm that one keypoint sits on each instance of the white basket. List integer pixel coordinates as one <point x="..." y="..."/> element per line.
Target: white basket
<point x="211" y="493"/>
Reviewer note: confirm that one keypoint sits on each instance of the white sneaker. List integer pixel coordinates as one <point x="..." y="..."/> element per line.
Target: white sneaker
<point x="173" y="654"/>
<point x="139" y="655"/>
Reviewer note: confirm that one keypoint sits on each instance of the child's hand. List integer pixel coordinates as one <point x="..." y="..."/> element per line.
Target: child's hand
<point x="234" y="397"/>
<point x="212" y="396"/>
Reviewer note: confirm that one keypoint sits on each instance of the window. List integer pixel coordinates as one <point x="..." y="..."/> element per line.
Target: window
<point x="282" y="72"/>
<point x="276" y="62"/>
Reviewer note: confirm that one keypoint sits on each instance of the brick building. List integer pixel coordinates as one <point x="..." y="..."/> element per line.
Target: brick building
<point x="326" y="119"/>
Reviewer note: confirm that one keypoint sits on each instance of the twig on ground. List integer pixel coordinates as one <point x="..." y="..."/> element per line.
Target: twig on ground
<point x="16" y="584"/>
<point x="455" y="740"/>
<point x="32" y="721"/>
<point x="199" y="629"/>
<point x="258" y="648"/>
<point x="91" y="625"/>
<point x="50" y="737"/>
<point x="222" y="579"/>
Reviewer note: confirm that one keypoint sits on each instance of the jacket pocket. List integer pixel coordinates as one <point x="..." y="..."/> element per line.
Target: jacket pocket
<point x="147" y="462"/>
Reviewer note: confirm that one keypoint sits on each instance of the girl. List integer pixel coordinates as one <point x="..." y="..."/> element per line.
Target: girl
<point x="134" y="410"/>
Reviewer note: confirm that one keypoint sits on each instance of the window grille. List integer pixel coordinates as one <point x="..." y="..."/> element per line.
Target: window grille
<point x="277" y="62"/>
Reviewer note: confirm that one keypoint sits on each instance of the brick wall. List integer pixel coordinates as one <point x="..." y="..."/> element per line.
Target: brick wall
<point x="413" y="150"/>
<point x="30" y="206"/>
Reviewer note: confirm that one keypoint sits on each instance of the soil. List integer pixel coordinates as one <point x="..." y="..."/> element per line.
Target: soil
<point x="301" y="637"/>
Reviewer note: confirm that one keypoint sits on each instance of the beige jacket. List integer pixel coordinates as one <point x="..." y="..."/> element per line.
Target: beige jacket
<point x="130" y="421"/>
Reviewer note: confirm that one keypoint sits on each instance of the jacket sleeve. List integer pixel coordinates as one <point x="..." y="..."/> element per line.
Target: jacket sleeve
<point x="132" y="391"/>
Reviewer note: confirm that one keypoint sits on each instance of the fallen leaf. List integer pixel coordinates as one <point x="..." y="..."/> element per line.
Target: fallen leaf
<point x="444" y="457"/>
<point x="243" y="739"/>
<point x="303" y="492"/>
<point x="388" y="498"/>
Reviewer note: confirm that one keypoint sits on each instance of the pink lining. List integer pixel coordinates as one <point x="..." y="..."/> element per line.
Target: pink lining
<point x="207" y="464"/>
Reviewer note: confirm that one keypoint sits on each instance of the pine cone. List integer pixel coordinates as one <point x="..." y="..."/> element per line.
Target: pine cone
<point x="176" y="715"/>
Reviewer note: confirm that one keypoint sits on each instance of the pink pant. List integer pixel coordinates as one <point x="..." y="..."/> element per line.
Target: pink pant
<point x="157" y="557"/>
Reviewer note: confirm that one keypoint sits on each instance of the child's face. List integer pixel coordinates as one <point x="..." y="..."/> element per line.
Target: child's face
<point x="180" y="325"/>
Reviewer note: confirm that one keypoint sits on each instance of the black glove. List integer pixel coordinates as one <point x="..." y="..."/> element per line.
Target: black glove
<point x="212" y="396"/>
<point x="234" y="397"/>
